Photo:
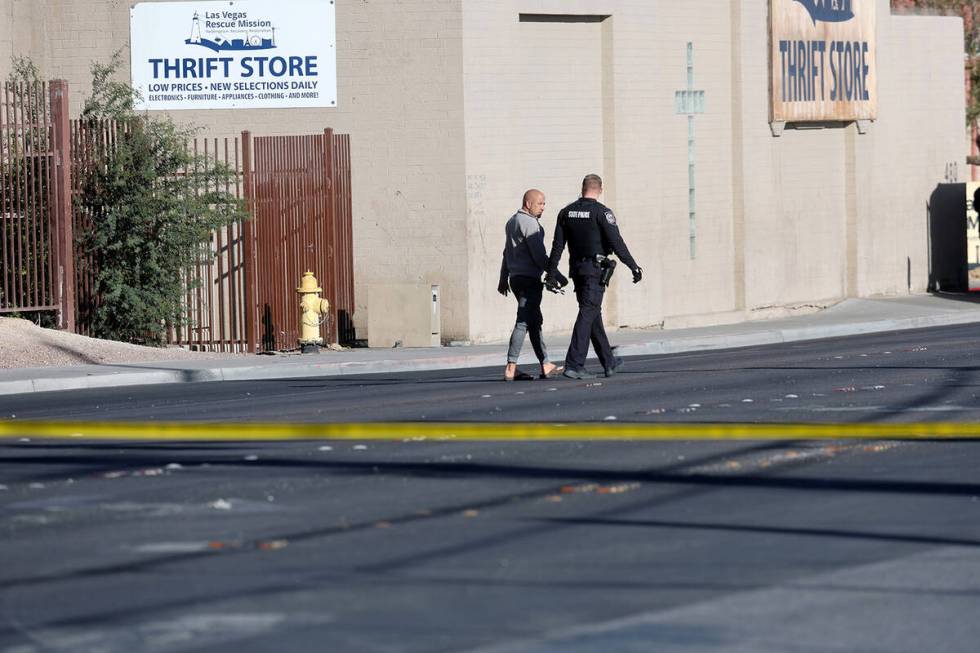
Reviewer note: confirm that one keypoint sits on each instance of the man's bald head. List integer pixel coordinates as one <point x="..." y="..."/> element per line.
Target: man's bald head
<point x="533" y="202"/>
<point x="530" y="195"/>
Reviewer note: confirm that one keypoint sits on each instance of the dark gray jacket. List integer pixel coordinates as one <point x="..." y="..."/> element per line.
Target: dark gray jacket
<point x="524" y="251"/>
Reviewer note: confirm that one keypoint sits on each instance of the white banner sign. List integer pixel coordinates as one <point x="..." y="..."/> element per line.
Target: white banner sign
<point x="247" y="54"/>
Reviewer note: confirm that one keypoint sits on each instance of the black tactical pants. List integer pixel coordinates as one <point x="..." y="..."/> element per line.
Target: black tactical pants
<point x="588" y="324"/>
<point x="527" y="292"/>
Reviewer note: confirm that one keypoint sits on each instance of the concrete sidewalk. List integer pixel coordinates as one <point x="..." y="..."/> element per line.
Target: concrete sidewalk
<point x="850" y="317"/>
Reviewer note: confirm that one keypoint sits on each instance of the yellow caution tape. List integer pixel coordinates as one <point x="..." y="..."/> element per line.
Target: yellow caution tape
<point x="475" y="431"/>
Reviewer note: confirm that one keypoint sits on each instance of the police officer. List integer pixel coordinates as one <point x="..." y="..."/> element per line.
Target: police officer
<point x="590" y="230"/>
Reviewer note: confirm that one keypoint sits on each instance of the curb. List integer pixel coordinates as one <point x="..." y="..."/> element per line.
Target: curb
<point x="795" y="334"/>
<point x="110" y="379"/>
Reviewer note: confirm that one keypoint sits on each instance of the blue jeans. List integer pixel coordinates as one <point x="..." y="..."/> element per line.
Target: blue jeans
<point x="527" y="291"/>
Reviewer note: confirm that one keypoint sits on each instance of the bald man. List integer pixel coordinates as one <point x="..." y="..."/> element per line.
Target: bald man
<point x="524" y="261"/>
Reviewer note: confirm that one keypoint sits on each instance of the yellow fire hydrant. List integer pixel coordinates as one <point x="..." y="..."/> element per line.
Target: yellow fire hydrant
<point x="313" y="312"/>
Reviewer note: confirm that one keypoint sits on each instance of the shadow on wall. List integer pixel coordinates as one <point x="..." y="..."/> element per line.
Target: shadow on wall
<point x="268" y="329"/>
<point x="346" y="335"/>
<point x="947" y="239"/>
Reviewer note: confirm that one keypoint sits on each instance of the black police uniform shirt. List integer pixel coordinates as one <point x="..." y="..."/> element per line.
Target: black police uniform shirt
<point x="589" y="228"/>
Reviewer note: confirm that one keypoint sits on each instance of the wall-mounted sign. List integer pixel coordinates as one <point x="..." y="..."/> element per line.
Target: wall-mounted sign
<point x="822" y="60"/>
<point x="242" y="54"/>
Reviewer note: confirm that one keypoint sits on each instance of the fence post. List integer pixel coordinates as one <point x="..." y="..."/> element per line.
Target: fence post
<point x="330" y="197"/>
<point x="64" y="239"/>
<point x="248" y="233"/>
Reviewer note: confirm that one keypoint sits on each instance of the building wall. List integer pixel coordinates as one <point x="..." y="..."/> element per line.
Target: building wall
<point x="698" y="288"/>
<point x="782" y="224"/>
<point x="455" y="107"/>
<point x="21" y="31"/>
<point x="641" y="62"/>
<point x="916" y="144"/>
<point x="792" y="190"/>
<point x="831" y="213"/>
<point x="645" y="142"/>
<point x="399" y="72"/>
<point x="535" y="114"/>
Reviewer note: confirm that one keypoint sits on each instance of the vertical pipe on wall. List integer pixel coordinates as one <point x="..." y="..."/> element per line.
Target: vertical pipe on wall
<point x="738" y="174"/>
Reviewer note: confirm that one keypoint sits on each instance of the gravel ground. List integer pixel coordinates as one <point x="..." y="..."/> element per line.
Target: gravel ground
<point x="24" y="344"/>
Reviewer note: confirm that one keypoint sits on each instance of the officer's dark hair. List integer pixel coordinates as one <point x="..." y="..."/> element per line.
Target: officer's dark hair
<point x="591" y="182"/>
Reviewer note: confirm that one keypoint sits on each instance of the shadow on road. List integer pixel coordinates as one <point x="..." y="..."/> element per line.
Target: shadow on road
<point x="675" y="482"/>
<point x="769" y="530"/>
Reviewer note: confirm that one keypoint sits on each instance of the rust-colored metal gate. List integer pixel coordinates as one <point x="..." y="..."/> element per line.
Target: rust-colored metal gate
<point x="216" y="306"/>
<point x="299" y="190"/>
<point x="242" y="295"/>
<point x="36" y="264"/>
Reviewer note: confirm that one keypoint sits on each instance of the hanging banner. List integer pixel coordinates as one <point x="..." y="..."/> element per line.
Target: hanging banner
<point x="245" y="54"/>
<point x="822" y="63"/>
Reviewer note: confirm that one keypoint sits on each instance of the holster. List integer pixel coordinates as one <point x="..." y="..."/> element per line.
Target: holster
<point x="608" y="266"/>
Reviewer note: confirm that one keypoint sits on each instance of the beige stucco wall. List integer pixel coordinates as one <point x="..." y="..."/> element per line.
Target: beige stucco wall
<point x="455" y="107"/>
<point x="792" y="189"/>
<point x="535" y="116"/>
<point x="916" y="144"/>
<point x="597" y="114"/>
<point x="783" y="224"/>
<point x="830" y="213"/>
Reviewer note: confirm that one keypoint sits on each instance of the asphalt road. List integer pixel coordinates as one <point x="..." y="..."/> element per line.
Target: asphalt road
<point x="921" y="375"/>
<point x="870" y="546"/>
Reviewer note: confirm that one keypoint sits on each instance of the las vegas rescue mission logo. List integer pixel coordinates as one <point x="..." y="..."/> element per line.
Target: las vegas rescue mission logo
<point x="243" y="54"/>
<point x="822" y="60"/>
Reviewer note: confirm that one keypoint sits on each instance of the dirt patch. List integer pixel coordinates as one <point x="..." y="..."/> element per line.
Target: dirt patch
<point x="24" y="344"/>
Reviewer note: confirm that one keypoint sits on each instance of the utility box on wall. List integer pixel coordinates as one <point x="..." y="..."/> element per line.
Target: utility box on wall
<point x="403" y="313"/>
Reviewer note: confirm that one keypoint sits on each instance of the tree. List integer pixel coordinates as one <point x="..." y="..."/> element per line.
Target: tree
<point x="154" y="206"/>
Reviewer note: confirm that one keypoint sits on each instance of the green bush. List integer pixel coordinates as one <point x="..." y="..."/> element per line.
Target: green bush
<point x="153" y="204"/>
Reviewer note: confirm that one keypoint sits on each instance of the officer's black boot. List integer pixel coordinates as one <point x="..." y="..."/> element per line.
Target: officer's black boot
<point x="617" y="363"/>
<point x="578" y="374"/>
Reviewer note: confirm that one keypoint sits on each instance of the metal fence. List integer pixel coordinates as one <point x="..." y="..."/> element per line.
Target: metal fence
<point x="217" y="304"/>
<point x="91" y="144"/>
<point x="36" y="266"/>
<point x="241" y="295"/>
<point x="300" y="192"/>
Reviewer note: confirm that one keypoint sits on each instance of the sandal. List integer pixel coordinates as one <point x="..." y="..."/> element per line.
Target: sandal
<point x="558" y="369"/>
<point x="519" y="376"/>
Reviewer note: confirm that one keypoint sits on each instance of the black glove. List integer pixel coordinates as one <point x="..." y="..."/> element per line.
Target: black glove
<point x="502" y="287"/>
<point x="555" y="281"/>
<point x="637" y="275"/>
<point x="551" y="283"/>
